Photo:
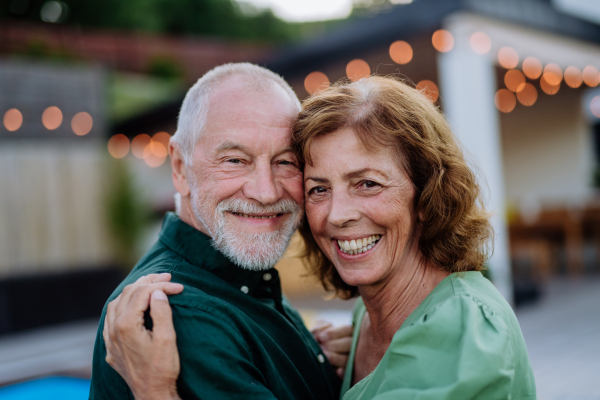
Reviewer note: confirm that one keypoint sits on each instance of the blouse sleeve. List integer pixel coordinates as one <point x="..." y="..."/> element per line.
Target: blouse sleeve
<point x="459" y="350"/>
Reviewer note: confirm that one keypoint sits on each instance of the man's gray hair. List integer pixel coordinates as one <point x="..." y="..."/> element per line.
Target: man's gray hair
<point x="194" y="110"/>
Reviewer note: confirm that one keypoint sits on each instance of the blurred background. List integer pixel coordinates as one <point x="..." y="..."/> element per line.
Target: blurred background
<point x="89" y="95"/>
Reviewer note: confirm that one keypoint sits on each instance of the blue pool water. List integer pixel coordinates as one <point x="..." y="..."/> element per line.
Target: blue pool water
<point x="54" y="388"/>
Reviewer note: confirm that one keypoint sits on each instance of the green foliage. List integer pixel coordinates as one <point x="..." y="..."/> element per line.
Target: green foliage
<point x="165" y="68"/>
<point x="222" y="18"/>
<point x="596" y="177"/>
<point x="127" y="214"/>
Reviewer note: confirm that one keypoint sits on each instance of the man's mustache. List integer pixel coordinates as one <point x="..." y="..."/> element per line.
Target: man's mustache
<point x="240" y="206"/>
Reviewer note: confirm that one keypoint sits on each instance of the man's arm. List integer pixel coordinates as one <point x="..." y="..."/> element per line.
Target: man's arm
<point x="151" y="378"/>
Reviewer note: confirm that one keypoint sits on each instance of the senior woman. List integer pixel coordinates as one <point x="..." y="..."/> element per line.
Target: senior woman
<point x="394" y="215"/>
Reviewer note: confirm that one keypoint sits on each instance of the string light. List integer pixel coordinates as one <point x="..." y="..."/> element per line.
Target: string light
<point x="505" y="100"/>
<point x="480" y="43"/>
<point x="118" y="146"/>
<point x="315" y="82"/>
<point x="52" y="118"/>
<point x="442" y="40"/>
<point x="508" y="57"/>
<point x="429" y="89"/>
<point x="401" y="52"/>
<point x="357" y="69"/>
<point x="13" y="119"/>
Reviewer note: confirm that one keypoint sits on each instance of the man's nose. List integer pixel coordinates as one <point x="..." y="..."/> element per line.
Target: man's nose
<point x="342" y="211"/>
<point x="262" y="186"/>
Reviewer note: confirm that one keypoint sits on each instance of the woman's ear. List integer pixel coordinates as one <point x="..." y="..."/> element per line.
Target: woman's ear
<point x="179" y="171"/>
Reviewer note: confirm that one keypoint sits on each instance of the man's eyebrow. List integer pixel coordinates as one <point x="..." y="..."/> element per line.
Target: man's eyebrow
<point x="288" y="149"/>
<point x="231" y="146"/>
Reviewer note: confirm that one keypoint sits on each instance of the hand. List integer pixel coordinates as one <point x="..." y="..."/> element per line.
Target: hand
<point x="335" y="343"/>
<point x="147" y="360"/>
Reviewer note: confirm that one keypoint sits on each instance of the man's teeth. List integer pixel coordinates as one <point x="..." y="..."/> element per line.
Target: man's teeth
<point x="358" y="246"/>
<point x="255" y="216"/>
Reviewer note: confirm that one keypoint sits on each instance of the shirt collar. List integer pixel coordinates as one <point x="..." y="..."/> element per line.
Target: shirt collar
<point x="196" y="247"/>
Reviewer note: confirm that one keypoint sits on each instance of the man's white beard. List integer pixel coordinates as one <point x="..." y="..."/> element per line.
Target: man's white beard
<point x="253" y="251"/>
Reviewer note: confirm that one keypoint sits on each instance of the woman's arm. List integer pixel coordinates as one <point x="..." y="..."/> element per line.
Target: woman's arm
<point x="147" y="360"/>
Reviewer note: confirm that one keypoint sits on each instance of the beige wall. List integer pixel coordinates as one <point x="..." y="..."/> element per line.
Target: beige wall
<point x="548" y="151"/>
<point x="51" y="207"/>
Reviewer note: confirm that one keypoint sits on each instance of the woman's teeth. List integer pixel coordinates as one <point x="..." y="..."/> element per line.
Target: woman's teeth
<point x="358" y="246"/>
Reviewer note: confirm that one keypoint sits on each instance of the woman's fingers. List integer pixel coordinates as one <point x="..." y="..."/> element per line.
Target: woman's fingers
<point x="336" y="359"/>
<point x="133" y="307"/>
<point x="341" y="345"/>
<point x="319" y="326"/>
<point x="331" y="333"/>
<point x="153" y="278"/>
<point x="163" y="331"/>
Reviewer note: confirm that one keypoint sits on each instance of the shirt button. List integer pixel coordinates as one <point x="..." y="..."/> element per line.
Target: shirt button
<point x="321" y="358"/>
<point x="245" y="289"/>
<point x="267" y="276"/>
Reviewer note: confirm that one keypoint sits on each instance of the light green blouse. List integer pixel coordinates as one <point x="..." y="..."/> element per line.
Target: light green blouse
<point x="462" y="342"/>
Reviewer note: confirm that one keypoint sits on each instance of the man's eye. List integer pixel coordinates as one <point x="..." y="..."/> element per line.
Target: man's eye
<point x="234" y="160"/>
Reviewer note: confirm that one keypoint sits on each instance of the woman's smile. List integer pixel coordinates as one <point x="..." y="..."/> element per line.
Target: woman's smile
<point x="361" y="245"/>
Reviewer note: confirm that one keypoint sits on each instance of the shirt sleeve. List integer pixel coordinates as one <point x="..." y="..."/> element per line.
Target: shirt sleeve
<point x="459" y="350"/>
<point x="219" y="365"/>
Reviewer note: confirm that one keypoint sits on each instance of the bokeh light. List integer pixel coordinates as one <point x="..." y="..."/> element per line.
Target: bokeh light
<point x="315" y="82"/>
<point x="357" y="69"/>
<point x="429" y="89"/>
<point x="514" y="80"/>
<point x="532" y="67"/>
<point x="553" y="74"/>
<point x="590" y="76"/>
<point x="505" y="100"/>
<point x="573" y="77"/>
<point x="118" y="146"/>
<point x="13" y="119"/>
<point x="595" y="106"/>
<point x="401" y="52"/>
<point x="163" y="138"/>
<point x="52" y="118"/>
<point x="528" y="96"/>
<point x="155" y="154"/>
<point x="480" y="43"/>
<point x="82" y="123"/>
<point x="508" y="57"/>
<point x="139" y="143"/>
<point x="547" y="87"/>
<point x="442" y="40"/>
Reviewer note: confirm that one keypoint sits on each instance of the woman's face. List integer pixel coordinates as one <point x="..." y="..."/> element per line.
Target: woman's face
<point x="360" y="207"/>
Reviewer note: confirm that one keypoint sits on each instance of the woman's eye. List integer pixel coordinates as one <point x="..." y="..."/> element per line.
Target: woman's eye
<point x="369" y="184"/>
<point x="317" y="190"/>
<point x="284" y="162"/>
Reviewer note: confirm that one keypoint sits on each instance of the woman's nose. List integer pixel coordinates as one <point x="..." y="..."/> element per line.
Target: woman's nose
<point x="343" y="211"/>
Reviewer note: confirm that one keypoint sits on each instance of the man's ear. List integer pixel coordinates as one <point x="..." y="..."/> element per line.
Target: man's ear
<point x="178" y="168"/>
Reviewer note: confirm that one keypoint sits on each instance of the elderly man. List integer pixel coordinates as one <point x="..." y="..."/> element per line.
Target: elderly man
<point x="241" y="200"/>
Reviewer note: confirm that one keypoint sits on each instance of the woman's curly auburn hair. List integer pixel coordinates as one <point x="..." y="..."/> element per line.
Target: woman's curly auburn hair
<point x="455" y="232"/>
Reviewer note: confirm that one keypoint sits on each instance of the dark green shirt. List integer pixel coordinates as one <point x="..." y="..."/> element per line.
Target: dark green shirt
<point x="237" y="337"/>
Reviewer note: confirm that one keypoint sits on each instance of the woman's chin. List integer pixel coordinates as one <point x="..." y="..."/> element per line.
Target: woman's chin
<point x="357" y="277"/>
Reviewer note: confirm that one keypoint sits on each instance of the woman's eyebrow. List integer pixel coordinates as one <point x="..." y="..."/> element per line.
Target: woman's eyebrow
<point x="363" y="171"/>
<point x="316" y="179"/>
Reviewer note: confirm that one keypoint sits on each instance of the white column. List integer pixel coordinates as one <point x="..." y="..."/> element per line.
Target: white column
<point x="467" y="87"/>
